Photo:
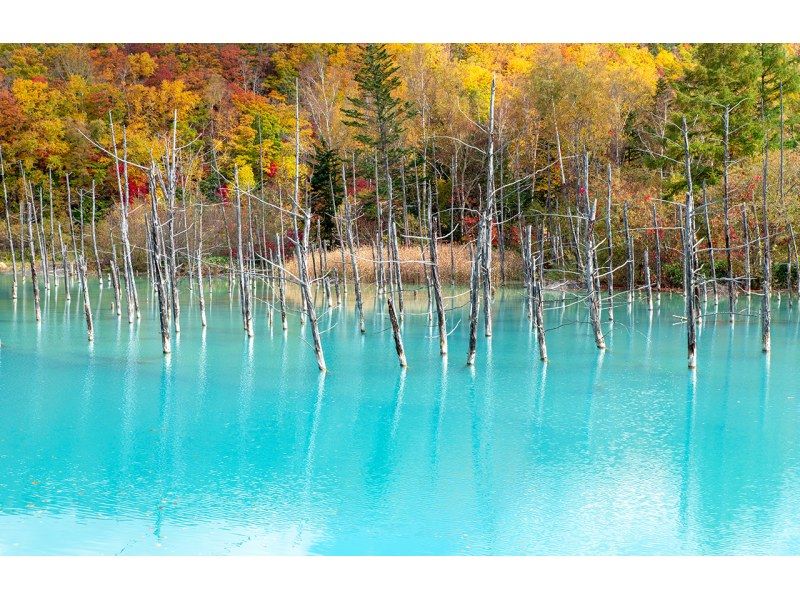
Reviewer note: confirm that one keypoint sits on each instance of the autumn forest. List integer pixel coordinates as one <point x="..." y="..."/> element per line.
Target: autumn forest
<point x="606" y="171"/>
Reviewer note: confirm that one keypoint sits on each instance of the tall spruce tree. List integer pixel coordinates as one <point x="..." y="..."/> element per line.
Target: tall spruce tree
<point x="326" y="188"/>
<point x="376" y="114"/>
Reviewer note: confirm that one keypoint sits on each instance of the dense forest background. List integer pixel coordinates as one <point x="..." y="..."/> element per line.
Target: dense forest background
<point x="426" y="105"/>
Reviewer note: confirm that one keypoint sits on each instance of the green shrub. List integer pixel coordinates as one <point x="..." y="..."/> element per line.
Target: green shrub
<point x="673" y="274"/>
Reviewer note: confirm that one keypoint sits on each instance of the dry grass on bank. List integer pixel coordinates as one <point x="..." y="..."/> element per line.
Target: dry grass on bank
<point x="412" y="269"/>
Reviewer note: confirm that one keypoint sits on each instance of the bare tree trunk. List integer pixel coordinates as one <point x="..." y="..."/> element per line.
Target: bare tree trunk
<point x="65" y="263"/>
<point x="244" y="285"/>
<point x="87" y="306"/>
<point x="281" y="281"/>
<point x="348" y="211"/>
<point x="629" y="249"/>
<point x="115" y="278"/>
<point x="610" y="274"/>
<point x="398" y="337"/>
<point x="94" y="237"/>
<point x="590" y="259"/>
<point x="32" y="257"/>
<point x="53" y="259"/>
<point x="302" y="247"/>
<point x="726" y="213"/>
<point x="8" y="226"/>
<point x="688" y="255"/>
<point x="657" y="233"/>
<point x="131" y="294"/>
<point x="766" y="311"/>
<point x="535" y="299"/>
<point x="748" y="276"/>
<point x="159" y="274"/>
<point x="488" y="210"/>
<point x="201" y="296"/>
<point x="42" y="244"/>
<point x="647" y="284"/>
<point x="710" y="247"/>
<point x="437" y="287"/>
<point x="473" y="297"/>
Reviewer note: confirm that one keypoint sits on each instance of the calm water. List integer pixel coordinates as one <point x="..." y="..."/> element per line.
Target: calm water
<point x="232" y="447"/>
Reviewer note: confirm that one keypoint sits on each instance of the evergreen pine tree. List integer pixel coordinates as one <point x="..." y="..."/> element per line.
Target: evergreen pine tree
<point x="326" y="188"/>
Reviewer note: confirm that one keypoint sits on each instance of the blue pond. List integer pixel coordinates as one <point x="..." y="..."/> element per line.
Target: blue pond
<point x="237" y="446"/>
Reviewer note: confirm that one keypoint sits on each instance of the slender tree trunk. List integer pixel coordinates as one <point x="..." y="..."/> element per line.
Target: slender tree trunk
<point x="486" y="250"/>
<point x="590" y="259"/>
<point x="159" y="273"/>
<point x="657" y="234"/>
<point x="348" y="211"/>
<point x="748" y="276"/>
<point x="87" y="306"/>
<point x="437" y="287"/>
<point x="726" y="214"/>
<point x="94" y="237"/>
<point x="65" y="264"/>
<point x="688" y="255"/>
<point x="629" y="249"/>
<point x="8" y="226"/>
<point x="647" y="284"/>
<point x="609" y="243"/>
<point x="32" y="257"/>
<point x="398" y="337"/>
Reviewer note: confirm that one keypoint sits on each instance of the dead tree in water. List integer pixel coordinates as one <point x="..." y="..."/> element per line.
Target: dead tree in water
<point x="590" y="259"/>
<point x="94" y="237"/>
<point x="437" y="287"/>
<point x="766" y="284"/>
<point x="610" y="266"/>
<point x="647" y="284"/>
<point x="726" y="212"/>
<point x="398" y="337"/>
<point x="159" y="274"/>
<point x="629" y="250"/>
<point x="281" y="281"/>
<point x="348" y="212"/>
<point x="8" y="227"/>
<point x="688" y="255"/>
<point x="535" y="300"/>
<point x="487" y="217"/>
<point x="302" y="244"/>
<point x="244" y="282"/>
<point x="710" y="242"/>
<point x="201" y="296"/>
<point x="42" y="244"/>
<point x="657" y="234"/>
<point x="32" y="257"/>
<point x="121" y="167"/>
<point x="65" y="264"/>
<point x="87" y="306"/>
<point x="481" y="262"/>
<point x="748" y="276"/>
<point x="114" y="266"/>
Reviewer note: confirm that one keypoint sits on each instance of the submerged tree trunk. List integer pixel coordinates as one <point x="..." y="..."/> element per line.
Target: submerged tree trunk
<point x="159" y="275"/>
<point x="629" y="249"/>
<point x="766" y="284"/>
<point x="87" y="306"/>
<point x="610" y="266"/>
<point x="688" y="255"/>
<point x="590" y="258"/>
<point x="726" y="215"/>
<point x="437" y="287"/>
<point x="32" y="257"/>
<point x="657" y="234"/>
<point x="8" y="227"/>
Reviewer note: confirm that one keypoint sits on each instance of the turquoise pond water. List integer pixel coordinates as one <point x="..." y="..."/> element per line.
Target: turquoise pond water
<point x="232" y="446"/>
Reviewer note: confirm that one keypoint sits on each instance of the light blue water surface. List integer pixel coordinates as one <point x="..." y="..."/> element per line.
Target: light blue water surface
<point x="237" y="446"/>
